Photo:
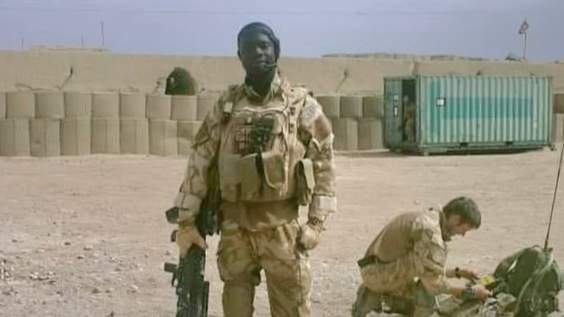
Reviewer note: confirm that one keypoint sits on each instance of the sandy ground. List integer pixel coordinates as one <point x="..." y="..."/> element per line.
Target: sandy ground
<point x="87" y="236"/>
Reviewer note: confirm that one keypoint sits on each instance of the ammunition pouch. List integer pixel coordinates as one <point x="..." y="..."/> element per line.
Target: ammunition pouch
<point x="263" y="177"/>
<point x="305" y="181"/>
<point x="250" y="176"/>
<point x="231" y="169"/>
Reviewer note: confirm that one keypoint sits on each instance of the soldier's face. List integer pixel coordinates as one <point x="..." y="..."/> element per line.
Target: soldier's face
<point x="257" y="54"/>
<point x="457" y="227"/>
<point x="462" y="229"/>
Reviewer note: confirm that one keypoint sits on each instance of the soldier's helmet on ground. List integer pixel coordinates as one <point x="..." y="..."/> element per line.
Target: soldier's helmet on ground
<point x="180" y="82"/>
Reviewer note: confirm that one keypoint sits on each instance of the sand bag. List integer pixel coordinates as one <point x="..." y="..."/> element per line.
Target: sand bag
<point x="76" y="137"/>
<point x="373" y="107"/>
<point x="78" y="105"/>
<point x="134" y="136"/>
<point x="45" y="137"/>
<point x="205" y="105"/>
<point x="184" y="108"/>
<point x="370" y="134"/>
<point x="2" y="106"/>
<point x="162" y="137"/>
<point x="105" y="136"/>
<point x="105" y="105"/>
<point x="49" y="105"/>
<point x="158" y="107"/>
<point x="20" y="104"/>
<point x="132" y="106"/>
<point x="14" y="137"/>
<point x="186" y="132"/>
<point x="331" y="105"/>
<point x="351" y="107"/>
<point x="346" y="134"/>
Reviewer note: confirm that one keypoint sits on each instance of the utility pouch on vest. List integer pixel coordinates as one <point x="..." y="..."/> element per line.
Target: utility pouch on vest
<point x="230" y="176"/>
<point x="273" y="166"/>
<point x="263" y="177"/>
<point x="250" y="177"/>
<point x="305" y="181"/>
<point x="230" y="169"/>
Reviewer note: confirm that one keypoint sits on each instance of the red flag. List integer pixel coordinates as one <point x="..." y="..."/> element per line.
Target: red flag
<point x="524" y="27"/>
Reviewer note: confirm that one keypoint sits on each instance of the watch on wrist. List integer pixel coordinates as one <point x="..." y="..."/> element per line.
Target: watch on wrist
<point x="468" y="293"/>
<point x="457" y="272"/>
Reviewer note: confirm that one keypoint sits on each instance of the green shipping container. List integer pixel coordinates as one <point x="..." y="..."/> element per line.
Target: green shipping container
<point x="429" y="114"/>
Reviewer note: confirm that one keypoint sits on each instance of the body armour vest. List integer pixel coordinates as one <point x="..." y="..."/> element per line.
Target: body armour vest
<point x="260" y="148"/>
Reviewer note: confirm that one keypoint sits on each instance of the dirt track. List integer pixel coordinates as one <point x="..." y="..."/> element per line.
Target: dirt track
<point x="87" y="236"/>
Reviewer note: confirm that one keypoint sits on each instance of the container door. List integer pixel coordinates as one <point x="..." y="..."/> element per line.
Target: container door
<point x="392" y="99"/>
<point x="409" y="111"/>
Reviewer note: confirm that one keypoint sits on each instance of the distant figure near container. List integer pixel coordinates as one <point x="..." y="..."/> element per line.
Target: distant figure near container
<point x="180" y="82"/>
<point x="408" y="124"/>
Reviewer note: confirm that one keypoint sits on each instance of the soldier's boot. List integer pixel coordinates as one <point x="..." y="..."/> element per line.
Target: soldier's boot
<point x="238" y="299"/>
<point x="366" y="302"/>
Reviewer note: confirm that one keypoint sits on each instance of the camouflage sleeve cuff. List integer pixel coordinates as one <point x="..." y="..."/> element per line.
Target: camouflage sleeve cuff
<point x="187" y="203"/>
<point x="435" y="284"/>
<point x="321" y="206"/>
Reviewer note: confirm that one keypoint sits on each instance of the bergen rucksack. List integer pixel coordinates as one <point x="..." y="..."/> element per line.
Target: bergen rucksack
<point x="534" y="278"/>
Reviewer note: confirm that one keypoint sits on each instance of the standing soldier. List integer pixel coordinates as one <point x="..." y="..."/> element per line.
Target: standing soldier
<point x="408" y="122"/>
<point x="275" y="152"/>
<point x="406" y="261"/>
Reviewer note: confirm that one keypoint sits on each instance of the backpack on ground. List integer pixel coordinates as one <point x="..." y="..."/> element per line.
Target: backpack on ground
<point x="534" y="278"/>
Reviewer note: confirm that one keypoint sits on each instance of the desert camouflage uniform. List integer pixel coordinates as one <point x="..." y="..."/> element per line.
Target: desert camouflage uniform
<point x="260" y="228"/>
<point x="410" y="248"/>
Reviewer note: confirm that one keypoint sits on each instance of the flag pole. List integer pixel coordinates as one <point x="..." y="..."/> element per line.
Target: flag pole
<point x="523" y="31"/>
<point x="525" y="45"/>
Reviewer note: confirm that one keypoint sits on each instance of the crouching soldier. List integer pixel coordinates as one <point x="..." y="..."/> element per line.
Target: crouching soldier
<point x="405" y="264"/>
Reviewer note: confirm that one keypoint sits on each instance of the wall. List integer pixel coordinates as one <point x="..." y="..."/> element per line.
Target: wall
<point x="93" y="71"/>
<point x="121" y="114"/>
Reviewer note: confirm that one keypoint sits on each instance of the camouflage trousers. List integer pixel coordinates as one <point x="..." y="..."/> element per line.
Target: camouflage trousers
<point x="243" y="254"/>
<point x="395" y="284"/>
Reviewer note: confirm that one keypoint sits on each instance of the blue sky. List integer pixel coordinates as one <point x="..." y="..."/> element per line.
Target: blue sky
<point x="307" y="28"/>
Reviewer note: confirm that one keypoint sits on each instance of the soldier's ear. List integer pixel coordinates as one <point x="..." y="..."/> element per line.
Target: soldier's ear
<point x="239" y="55"/>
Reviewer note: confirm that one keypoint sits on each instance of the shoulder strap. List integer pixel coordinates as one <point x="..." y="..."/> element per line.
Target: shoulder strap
<point x="533" y="281"/>
<point x="226" y="108"/>
<point x="297" y="104"/>
<point x="230" y="100"/>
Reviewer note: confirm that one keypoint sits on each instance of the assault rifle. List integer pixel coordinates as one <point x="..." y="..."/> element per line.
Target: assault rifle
<point x="192" y="289"/>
